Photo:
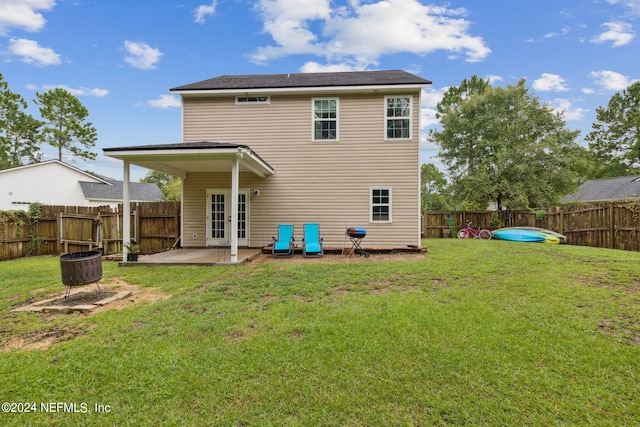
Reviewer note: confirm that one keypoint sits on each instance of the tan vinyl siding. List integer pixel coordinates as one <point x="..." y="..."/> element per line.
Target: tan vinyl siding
<point x="323" y="181"/>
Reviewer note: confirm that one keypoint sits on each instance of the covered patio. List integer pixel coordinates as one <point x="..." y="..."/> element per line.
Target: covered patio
<point x="189" y="157"/>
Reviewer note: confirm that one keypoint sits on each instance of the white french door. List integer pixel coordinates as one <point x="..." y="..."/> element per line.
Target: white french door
<point x="219" y="217"/>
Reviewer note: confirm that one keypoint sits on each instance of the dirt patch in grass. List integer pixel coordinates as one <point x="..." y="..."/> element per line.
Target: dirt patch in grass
<point x="42" y="340"/>
<point x="625" y="328"/>
<point x="138" y="295"/>
<point x="340" y="259"/>
<point x="83" y="298"/>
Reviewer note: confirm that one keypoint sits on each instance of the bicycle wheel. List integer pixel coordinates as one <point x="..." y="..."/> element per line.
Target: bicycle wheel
<point x="462" y="234"/>
<point x="484" y="234"/>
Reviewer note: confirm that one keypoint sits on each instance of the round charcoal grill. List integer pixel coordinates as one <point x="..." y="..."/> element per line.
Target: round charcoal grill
<point x="81" y="268"/>
<point x="356" y="234"/>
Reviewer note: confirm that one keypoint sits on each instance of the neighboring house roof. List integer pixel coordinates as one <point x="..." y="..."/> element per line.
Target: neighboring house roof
<point x="140" y="191"/>
<point x="94" y="187"/>
<point x="598" y="190"/>
<point x="40" y="164"/>
<point x="306" y="80"/>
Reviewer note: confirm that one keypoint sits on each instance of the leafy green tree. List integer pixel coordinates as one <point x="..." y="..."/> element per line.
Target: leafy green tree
<point x="18" y="130"/>
<point x="66" y="127"/>
<point x="171" y="186"/>
<point x="433" y="189"/>
<point x="502" y="145"/>
<point x="615" y="139"/>
<point x="456" y="95"/>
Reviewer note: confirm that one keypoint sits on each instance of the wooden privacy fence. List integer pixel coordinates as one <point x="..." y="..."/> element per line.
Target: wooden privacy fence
<point x="59" y="229"/>
<point x="614" y="225"/>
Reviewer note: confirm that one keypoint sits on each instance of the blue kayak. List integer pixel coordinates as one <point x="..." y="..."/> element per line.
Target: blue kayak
<point x="519" y="235"/>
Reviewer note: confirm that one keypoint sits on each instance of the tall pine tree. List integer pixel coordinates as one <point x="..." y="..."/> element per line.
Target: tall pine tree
<point x="19" y="137"/>
<point x="615" y="139"/>
<point x="66" y="127"/>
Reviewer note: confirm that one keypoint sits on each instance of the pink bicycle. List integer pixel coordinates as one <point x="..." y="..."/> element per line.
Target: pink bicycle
<point x="469" y="232"/>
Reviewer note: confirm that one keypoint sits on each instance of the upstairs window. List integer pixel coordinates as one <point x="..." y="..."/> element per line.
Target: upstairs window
<point x="325" y="119"/>
<point x="398" y="117"/>
<point x="242" y="100"/>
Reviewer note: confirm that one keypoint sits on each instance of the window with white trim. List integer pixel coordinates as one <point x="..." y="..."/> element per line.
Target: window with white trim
<point x="380" y="204"/>
<point x="325" y="119"/>
<point x="397" y="117"/>
<point x="243" y="100"/>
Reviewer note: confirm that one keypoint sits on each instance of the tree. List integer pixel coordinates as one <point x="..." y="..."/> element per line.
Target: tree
<point x="615" y="139"/>
<point x="171" y="186"/>
<point x="456" y="95"/>
<point x="433" y="189"/>
<point x="502" y="145"/>
<point x="18" y="130"/>
<point x="65" y="126"/>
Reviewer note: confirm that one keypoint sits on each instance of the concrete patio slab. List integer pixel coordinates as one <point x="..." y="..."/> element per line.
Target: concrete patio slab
<point x="195" y="256"/>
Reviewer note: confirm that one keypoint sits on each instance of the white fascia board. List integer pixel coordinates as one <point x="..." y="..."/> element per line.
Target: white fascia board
<point x="165" y="153"/>
<point x="261" y="169"/>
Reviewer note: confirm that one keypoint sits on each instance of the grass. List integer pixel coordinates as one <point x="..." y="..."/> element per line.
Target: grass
<point x="477" y="333"/>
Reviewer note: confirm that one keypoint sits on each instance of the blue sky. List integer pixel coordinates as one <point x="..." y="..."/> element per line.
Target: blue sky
<point x="121" y="58"/>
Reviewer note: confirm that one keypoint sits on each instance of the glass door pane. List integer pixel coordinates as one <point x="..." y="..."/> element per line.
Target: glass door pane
<point x="218" y="216"/>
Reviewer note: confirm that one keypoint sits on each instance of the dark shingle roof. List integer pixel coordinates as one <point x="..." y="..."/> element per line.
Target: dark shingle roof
<point x="140" y="191"/>
<point x="597" y="190"/>
<point x="306" y="80"/>
<point x="202" y="145"/>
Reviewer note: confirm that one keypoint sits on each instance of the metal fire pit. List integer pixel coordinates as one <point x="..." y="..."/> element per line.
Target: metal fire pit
<point x="81" y="268"/>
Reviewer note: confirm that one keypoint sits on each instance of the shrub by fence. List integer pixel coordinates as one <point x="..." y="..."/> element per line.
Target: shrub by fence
<point x="52" y="230"/>
<point x="614" y="225"/>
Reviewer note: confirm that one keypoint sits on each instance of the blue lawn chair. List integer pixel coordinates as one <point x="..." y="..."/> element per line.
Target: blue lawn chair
<point x="284" y="244"/>
<point x="311" y="241"/>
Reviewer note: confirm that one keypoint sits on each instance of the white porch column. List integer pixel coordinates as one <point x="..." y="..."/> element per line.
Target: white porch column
<point x="234" y="208"/>
<point x="126" y="210"/>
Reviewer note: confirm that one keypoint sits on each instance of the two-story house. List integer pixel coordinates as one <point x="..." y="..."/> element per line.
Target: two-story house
<point x="339" y="149"/>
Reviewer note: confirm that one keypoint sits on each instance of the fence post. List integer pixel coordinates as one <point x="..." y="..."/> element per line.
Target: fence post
<point x="612" y="228"/>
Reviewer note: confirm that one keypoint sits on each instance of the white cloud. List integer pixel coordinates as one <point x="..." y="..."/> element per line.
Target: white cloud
<point x="563" y="32"/>
<point x="567" y="109"/>
<point x="314" y="67"/>
<point x="610" y="80"/>
<point x="32" y="53"/>
<point x="165" y="101"/>
<point x="141" y="55"/>
<point x="23" y="14"/>
<point x="204" y="10"/>
<point x="632" y="5"/>
<point x="550" y="82"/>
<point x="493" y="78"/>
<point x="428" y="109"/>
<point x="344" y="34"/>
<point x="618" y="33"/>
<point x="79" y="91"/>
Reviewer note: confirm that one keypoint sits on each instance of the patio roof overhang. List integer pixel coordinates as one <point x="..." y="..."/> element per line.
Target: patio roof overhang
<point x="180" y="159"/>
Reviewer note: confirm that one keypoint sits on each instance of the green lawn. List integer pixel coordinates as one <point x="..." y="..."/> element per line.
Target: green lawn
<point x="478" y="333"/>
